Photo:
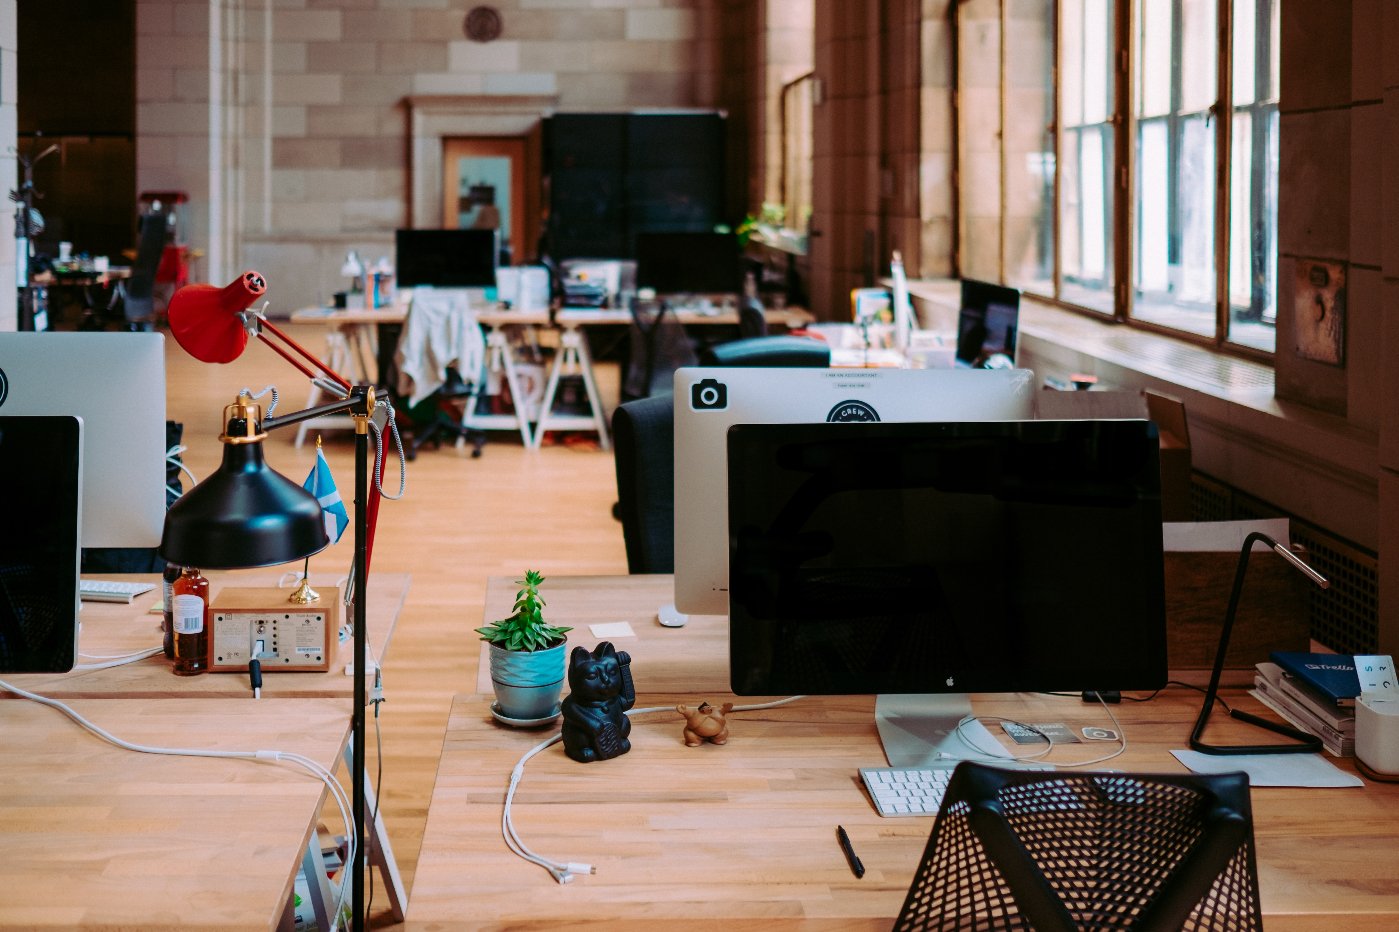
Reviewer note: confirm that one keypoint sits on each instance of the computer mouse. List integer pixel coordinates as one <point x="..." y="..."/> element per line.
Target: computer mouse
<point x="669" y="617"/>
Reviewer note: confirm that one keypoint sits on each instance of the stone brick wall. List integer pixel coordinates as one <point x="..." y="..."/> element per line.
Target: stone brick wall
<point x="307" y="121"/>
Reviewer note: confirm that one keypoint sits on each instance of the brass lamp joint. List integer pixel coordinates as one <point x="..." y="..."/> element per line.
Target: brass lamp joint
<point x="247" y="412"/>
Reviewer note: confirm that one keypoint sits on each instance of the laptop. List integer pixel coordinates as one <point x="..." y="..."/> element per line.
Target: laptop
<point x="987" y="324"/>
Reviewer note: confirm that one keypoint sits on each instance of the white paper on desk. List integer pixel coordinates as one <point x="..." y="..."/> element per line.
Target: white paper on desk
<point x="1272" y="769"/>
<point x="613" y="629"/>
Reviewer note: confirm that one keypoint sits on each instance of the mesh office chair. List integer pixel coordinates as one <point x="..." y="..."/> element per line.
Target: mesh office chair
<point x="137" y="293"/>
<point x="1053" y="852"/>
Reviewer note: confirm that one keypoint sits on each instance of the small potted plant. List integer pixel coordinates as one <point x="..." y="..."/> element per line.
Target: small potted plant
<point x="527" y="659"/>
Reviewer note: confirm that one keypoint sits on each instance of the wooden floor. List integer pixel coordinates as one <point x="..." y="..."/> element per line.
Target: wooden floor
<point x="460" y="520"/>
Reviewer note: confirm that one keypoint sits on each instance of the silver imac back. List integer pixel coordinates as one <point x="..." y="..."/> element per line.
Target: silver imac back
<point x="709" y="400"/>
<point x="115" y="382"/>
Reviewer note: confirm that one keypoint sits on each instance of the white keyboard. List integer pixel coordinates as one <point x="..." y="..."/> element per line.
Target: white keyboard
<point x="111" y="590"/>
<point x="897" y="791"/>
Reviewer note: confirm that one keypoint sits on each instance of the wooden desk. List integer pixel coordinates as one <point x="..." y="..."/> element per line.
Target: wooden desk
<point x="97" y="836"/>
<point x="119" y="629"/>
<point x="746" y="832"/>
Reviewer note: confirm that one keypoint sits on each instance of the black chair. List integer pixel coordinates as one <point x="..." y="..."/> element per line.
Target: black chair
<point x="441" y="417"/>
<point x="137" y="293"/>
<point x="783" y="350"/>
<point x="1055" y="851"/>
<point x="643" y="441"/>
<point x="752" y="319"/>
<point x="658" y="346"/>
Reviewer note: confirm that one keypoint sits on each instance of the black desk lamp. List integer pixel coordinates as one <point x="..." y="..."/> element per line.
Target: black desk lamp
<point x="1301" y="742"/>
<point x="246" y="514"/>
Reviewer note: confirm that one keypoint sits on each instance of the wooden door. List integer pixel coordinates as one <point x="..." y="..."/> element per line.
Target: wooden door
<point x="493" y="181"/>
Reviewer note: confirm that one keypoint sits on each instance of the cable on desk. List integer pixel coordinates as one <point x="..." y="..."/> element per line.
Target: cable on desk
<point x="342" y="798"/>
<point x="564" y="872"/>
<point x="1049" y="745"/>
<point x="114" y="660"/>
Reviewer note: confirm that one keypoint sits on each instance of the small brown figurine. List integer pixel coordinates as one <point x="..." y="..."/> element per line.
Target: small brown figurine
<point x="705" y="723"/>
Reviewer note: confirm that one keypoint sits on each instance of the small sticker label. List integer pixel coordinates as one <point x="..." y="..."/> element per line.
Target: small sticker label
<point x="187" y="614"/>
<point x="1036" y="732"/>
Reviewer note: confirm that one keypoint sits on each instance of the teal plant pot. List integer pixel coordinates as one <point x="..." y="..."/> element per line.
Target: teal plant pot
<point x="527" y="683"/>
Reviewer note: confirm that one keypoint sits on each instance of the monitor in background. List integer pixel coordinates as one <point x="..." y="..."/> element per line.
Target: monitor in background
<point x="709" y="400"/>
<point x="688" y="263"/>
<point x="945" y="558"/>
<point x="446" y="258"/>
<point x="41" y="475"/>
<point x="988" y="322"/>
<point x="116" y="383"/>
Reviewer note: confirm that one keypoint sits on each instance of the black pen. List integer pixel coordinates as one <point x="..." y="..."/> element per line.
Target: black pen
<point x="856" y="867"/>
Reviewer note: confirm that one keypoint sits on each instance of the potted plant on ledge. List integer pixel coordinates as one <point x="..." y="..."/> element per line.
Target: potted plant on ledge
<point x="527" y="659"/>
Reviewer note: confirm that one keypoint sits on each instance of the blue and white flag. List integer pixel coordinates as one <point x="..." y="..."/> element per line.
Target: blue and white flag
<point x="321" y="484"/>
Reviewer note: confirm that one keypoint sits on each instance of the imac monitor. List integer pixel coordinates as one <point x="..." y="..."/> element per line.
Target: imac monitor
<point x="116" y="383"/>
<point x="41" y="473"/>
<point x="688" y="263"/>
<point x="446" y="258"/>
<point x="945" y="558"/>
<point x="988" y="322"/>
<point x="710" y="399"/>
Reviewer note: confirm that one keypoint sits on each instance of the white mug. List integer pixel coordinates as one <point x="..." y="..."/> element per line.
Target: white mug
<point x="65" y="251"/>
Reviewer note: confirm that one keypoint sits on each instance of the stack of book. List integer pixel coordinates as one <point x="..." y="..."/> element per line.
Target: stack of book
<point x="1315" y="692"/>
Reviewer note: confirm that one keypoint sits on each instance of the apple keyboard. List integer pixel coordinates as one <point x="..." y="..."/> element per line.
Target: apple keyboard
<point x="900" y="791"/>
<point x="111" y="590"/>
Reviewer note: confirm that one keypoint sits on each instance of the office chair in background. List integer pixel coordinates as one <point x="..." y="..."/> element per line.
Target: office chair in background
<point x="643" y="441"/>
<point x="1054" y="851"/>
<point x="440" y="360"/>
<point x="658" y="346"/>
<point x="137" y="293"/>
<point x="769" y="352"/>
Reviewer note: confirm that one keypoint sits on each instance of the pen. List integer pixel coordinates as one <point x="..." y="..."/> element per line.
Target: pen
<point x="856" y="867"/>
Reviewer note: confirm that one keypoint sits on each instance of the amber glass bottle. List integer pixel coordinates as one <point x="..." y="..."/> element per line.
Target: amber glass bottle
<point x="191" y="622"/>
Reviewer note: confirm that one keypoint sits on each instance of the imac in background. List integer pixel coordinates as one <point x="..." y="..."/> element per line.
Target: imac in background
<point x="446" y="258"/>
<point x="688" y="263"/>
<point x="41" y="473"/>
<point x="115" y="382"/>
<point x="709" y="400"/>
<point x="915" y="559"/>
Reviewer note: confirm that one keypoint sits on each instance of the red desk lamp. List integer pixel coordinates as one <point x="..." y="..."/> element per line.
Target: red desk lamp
<point x="246" y="514"/>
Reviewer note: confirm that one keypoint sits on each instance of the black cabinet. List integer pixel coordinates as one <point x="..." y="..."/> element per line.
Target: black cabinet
<point x="613" y="175"/>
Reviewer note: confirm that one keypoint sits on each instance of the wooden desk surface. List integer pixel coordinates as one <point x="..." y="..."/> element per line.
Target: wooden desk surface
<point x="746" y="832"/>
<point x="97" y="836"/>
<point x="111" y="629"/>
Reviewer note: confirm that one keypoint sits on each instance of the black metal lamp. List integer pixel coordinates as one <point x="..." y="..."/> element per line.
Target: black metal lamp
<point x="246" y="514"/>
<point x="1299" y="741"/>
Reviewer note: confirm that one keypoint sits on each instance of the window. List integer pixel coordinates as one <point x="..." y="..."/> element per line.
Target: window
<point x="1086" y="165"/>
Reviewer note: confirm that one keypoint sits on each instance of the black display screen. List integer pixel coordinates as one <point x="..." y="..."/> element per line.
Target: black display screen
<point x="446" y="258"/>
<point x="39" y="469"/>
<point x="952" y="557"/>
<point x="688" y="263"/>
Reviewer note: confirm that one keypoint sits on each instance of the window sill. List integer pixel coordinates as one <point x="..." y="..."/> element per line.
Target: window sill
<point x="1317" y="466"/>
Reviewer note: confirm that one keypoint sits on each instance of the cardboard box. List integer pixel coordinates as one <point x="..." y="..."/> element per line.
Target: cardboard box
<point x="1201" y="561"/>
<point x="1169" y="417"/>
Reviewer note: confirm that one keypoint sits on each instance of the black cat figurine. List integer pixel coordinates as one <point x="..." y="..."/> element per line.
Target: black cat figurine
<point x="595" y="725"/>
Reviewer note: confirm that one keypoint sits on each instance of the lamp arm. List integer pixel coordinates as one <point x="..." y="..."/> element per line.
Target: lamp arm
<point x="360" y="403"/>
<point x="265" y="326"/>
<point x="1303" y="742"/>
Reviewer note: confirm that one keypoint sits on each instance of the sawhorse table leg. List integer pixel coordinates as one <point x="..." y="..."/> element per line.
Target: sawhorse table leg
<point x="572" y="355"/>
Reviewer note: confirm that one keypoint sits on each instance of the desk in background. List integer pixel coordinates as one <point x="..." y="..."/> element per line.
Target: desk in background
<point x="746" y="832"/>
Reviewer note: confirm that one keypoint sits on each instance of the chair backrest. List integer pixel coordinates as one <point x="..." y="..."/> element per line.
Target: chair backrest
<point x="139" y="289"/>
<point x="1050" y="850"/>
<point x="643" y="440"/>
<point x="773" y="351"/>
<point x="658" y="346"/>
<point x="752" y="319"/>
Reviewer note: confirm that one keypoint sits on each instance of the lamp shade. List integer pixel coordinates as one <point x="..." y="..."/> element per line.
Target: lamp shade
<point x="204" y="318"/>
<point x="245" y="514"/>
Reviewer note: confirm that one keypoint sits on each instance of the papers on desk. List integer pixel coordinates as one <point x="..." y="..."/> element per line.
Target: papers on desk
<point x="1272" y="769"/>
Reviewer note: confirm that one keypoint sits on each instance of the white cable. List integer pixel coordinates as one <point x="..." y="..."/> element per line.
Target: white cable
<point x="378" y="432"/>
<point x="106" y="661"/>
<point x="564" y="872"/>
<point x="342" y="798"/>
<point x="270" y="408"/>
<point x="1049" y="745"/>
